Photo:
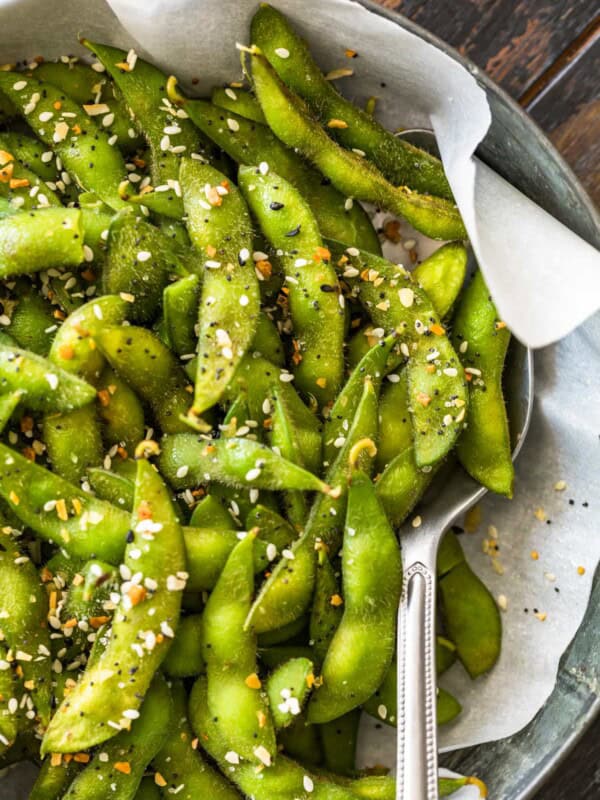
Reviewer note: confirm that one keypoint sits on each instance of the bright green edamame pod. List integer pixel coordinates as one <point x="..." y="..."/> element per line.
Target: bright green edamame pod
<point x="301" y="742"/>
<point x="282" y="780"/>
<point x="401" y="162"/>
<point x="482" y="340"/>
<point x="185" y="659"/>
<point x="87" y="87"/>
<point x="252" y="143"/>
<point x="272" y="527"/>
<point x="30" y="322"/>
<point x="218" y="222"/>
<point x="338" y="740"/>
<point x="326" y="612"/>
<point x="287" y="593"/>
<point x="267" y="343"/>
<point x="363" y="644"/>
<point x="120" y="411"/>
<point x="74" y="347"/>
<point x="139" y="261"/>
<point x="285" y="440"/>
<point x="182" y="765"/>
<point x="235" y="696"/>
<point x="169" y="135"/>
<point x="45" y="387"/>
<point x="442" y="275"/>
<point x="448" y="707"/>
<point x="87" y="599"/>
<point x="82" y="145"/>
<point x="180" y="309"/>
<point x="139" y="639"/>
<point x="470" y="615"/>
<point x="73" y="439"/>
<point x="207" y="551"/>
<point x="339" y="421"/>
<point x="152" y="371"/>
<point x="436" y="380"/>
<point x="291" y="121"/>
<point x="445" y="654"/>
<point x="73" y="442"/>
<point x="402" y="484"/>
<point x="129" y="752"/>
<point x="40" y="239"/>
<point x="210" y="513"/>
<point x="28" y="152"/>
<point x="53" y="781"/>
<point x="260" y="378"/>
<point x="395" y="428"/>
<point x="240" y="101"/>
<point x="288" y="687"/>
<point x="314" y="295"/>
<point x="235" y="461"/>
<point x="8" y="404"/>
<point x="25" y="190"/>
<point x="24" y="627"/>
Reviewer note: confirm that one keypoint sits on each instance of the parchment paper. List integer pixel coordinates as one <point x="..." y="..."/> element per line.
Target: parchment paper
<point x="528" y="259"/>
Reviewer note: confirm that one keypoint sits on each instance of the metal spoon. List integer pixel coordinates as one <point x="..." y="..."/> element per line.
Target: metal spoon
<point x="417" y="761"/>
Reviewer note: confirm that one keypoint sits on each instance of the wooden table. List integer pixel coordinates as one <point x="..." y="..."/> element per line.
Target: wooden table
<point x="546" y="55"/>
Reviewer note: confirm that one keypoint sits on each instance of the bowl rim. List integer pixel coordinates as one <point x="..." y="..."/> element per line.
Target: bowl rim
<point x="593" y="711"/>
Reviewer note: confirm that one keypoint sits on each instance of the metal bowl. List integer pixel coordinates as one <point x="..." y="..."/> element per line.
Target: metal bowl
<point x="515" y="768"/>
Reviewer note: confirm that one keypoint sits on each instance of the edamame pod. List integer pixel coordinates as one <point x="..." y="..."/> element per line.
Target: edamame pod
<point x="81" y="144"/>
<point x="339" y="739"/>
<point x="117" y="769"/>
<point x="240" y="101"/>
<point x="210" y="513"/>
<point x="88" y="88"/>
<point x="187" y="461"/>
<point x="219" y="226"/>
<point x="272" y="527"/>
<point x="315" y="299"/>
<point x="234" y="692"/>
<point x="442" y="276"/>
<point x="53" y="780"/>
<point x="24" y="627"/>
<point x="401" y="162"/>
<point x="482" y="340"/>
<point x="151" y="370"/>
<point x="139" y="640"/>
<point x="139" y="261"/>
<point x="40" y="239"/>
<point x="180" y="767"/>
<point x="44" y="386"/>
<point x="120" y="411"/>
<point x="327" y="608"/>
<point x="180" y="310"/>
<point x="363" y="644"/>
<point x="284" y="439"/>
<point x="207" y="551"/>
<point x="31" y="322"/>
<point x="288" y="687"/>
<point x="28" y="151"/>
<point x="470" y="615"/>
<point x="185" y="659"/>
<point x="350" y="173"/>
<point x="169" y="135"/>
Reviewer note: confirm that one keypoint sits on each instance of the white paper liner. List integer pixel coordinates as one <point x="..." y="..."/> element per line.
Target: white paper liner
<point x="544" y="279"/>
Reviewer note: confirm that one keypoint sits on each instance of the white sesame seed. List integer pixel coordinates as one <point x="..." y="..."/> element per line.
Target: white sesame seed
<point x="349" y="202"/>
<point x="46" y="116"/>
<point x="52" y="380"/>
<point x="447" y="420"/>
<point x="144" y="255"/>
<point x="308" y="784"/>
<point x="382" y="711"/>
<point x="19" y="85"/>
<point x="451" y="372"/>
<point x="232" y="757"/>
<point x="464" y="346"/>
<point x="282" y="52"/>
<point x="182" y="471"/>
<point x="353" y="251"/>
<point x="289" y="554"/>
<point x="253" y="474"/>
<point x="263" y="755"/>
<point x="233" y="124"/>
<point x="407" y="297"/>
<point x="271" y="551"/>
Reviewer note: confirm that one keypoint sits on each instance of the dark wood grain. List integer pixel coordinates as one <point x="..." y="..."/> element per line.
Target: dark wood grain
<point x="513" y="40"/>
<point x="568" y="108"/>
<point x="578" y="778"/>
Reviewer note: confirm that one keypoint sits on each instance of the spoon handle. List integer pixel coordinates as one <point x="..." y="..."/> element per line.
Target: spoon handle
<point x="417" y="764"/>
